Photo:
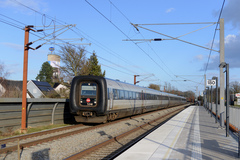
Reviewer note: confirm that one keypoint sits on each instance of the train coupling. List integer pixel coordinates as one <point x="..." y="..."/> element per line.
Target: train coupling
<point x="87" y="114"/>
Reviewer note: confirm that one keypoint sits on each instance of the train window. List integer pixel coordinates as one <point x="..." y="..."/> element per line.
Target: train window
<point x="144" y="95"/>
<point x="141" y="96"/>
<point x="121" y="94"/>
<point x="88" y="94"/>
<point x="155" y="97"/>
<point x="147" y="96"/>
<point x="130" y="94"/>
<point x="89" y="89"/>
<point x="164" y="98"/>
<point x="134" y="95"/>
<point x="126" y="95"/>
<point x="137" y="95"/>
<point x="115" y="94"/>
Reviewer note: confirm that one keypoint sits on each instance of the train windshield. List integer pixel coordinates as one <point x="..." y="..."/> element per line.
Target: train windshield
<point x="88" y="97"/>
<point x="89" y="89"/>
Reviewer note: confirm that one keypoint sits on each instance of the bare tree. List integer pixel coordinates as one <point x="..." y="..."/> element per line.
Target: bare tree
<point x="74" y="61"/>
<point x="235" y="87"/>
<point x="3" y="73"/>
<point x="154" y="86"/>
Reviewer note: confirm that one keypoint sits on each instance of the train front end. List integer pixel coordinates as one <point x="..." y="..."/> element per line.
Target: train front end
<point x="88" y="99"/>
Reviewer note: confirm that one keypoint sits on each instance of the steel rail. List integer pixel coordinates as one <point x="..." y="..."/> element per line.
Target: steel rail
<point x="117" y="138"/>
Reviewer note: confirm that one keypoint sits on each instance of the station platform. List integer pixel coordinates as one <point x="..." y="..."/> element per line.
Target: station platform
<point x="191" y="134"/>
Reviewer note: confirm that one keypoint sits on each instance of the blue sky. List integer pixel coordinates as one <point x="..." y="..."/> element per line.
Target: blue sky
<point x="107" y="23"/>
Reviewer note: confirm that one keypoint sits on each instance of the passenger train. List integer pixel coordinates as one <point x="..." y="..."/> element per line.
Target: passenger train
<point x="95" y="99"/>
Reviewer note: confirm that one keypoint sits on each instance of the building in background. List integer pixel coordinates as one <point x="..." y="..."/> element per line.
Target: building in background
<point x="54" y="61"/>
<point x="37" y="89"/>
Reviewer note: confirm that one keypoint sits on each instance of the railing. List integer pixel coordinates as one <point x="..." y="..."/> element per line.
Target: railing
<point x="40" y="111"/>
<point x="234" y="113"/>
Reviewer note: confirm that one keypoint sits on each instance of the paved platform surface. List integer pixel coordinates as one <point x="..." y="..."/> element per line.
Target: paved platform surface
<point x="191" y="134"/>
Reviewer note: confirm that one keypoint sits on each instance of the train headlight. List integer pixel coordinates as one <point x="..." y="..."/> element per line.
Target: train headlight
<point x="94" y="101"/>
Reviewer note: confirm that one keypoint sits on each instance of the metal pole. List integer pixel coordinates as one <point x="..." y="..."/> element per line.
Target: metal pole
<point x="205" y="91"/>
<point x="208" y="99"/>
<point x="211" y="100"/>
<point x="238" y="144"/>
<point x="228" y="98"/>
<point x="135" y="79"/>
<point x="222" y="59"/>
<point x="205" y="94"/>
<point x="24" y="87"/>
<point x="216" y="99"/>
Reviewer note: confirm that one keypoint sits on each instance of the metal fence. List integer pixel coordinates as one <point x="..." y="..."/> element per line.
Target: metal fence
<point x="234" y="113"/>
<point x="40" y="111"/>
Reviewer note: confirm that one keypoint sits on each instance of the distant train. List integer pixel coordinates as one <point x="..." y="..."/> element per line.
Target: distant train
<point x="95" y="99"/>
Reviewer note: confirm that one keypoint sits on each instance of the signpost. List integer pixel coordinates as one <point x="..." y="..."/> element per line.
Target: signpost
<point x="238" y="98"/>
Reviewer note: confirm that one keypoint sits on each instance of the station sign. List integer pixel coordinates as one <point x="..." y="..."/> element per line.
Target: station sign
<point x="211" y="82"/>
<point x="237" y="94"/>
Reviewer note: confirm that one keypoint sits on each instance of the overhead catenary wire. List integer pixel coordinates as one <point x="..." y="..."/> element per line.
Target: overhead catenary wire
<point x="50" y="18"/>
<point x="140" y="33"/>
<point x="60" y="22"/>
<point x="48" y="40"/>
<point x="214" y="35"/>
<point x="147" y="43"/>
<point x="11" y="24"/>
<point x="127" y="36"/>
<point x="47" y="16"/>
<point x="63" y="23"/>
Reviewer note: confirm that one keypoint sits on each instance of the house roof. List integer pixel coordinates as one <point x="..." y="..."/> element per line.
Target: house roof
<point x="11" y="88"/>
<point x="56" y="85"/>
<point x="44" y="87"/>
<point x="11" y="84"/>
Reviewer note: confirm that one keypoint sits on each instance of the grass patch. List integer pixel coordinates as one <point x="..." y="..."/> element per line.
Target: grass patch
<point x="10" y="133"/>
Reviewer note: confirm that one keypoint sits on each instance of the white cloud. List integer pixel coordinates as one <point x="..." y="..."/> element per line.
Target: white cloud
<point x="170" y="10"/>
<point x="231" y="38"/>
<point x="232" y="55"/>
<point x="17" y="47"/>
<point x="199" y="57"/>
<point x="231" y="12"/>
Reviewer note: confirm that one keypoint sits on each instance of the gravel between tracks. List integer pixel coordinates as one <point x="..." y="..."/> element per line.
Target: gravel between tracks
<point x="62" y="148"/>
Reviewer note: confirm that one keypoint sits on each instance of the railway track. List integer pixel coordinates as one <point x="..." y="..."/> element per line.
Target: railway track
<point x="46" y="138"/>
<point x="116" y="145"/>
<point x="28" y="140"/>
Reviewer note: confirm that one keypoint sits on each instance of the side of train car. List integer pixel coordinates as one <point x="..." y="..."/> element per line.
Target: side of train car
<point x="96" y="99"/>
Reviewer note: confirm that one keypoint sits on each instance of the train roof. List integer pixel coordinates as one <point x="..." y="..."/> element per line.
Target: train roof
<point x="127" y="86"/>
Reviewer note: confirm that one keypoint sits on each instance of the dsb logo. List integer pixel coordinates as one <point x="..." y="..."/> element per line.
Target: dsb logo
<point x="211" y="82"/>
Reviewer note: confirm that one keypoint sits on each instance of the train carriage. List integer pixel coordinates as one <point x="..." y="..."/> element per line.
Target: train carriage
<point x="95" y="99"/>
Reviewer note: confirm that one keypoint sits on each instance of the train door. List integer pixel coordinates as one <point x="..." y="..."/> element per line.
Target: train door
<point x="142" y="98"/>
<point x="110" y="98"/>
